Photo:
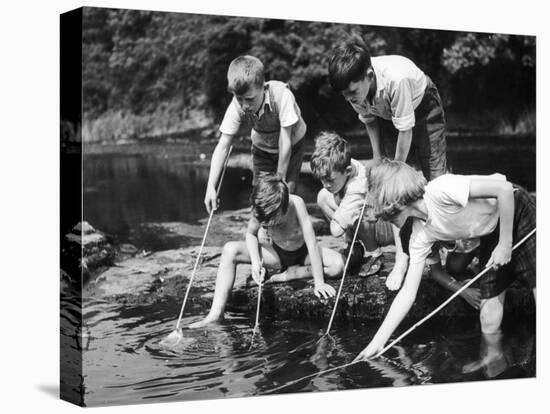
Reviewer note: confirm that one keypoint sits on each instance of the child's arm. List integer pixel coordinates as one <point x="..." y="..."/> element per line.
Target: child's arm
<point x="321" y="288"/>
<point x="470" y="295"/>
<point x="253" y="247"/>
<point x="404" y="140"/>
<point x="216" y="166"/>
<point x="504" y="193"/>
<point x="335" y="229"/>
<point x="285" y="149"/>
<point x="373" y="130"/>
<point x="401" y="304"/>
<point x="403" y="118"/>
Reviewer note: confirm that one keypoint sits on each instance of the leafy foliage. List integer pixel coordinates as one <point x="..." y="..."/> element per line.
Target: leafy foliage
<point x="139" y="62"/>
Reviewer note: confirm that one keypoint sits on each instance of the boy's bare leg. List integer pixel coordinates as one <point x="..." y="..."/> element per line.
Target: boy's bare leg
<point x="491" y="312"/>
<point x="233" y="253"/>
<point x="333" y="266"/>
<point x="493" y="356"/>
<point x="395" y="278"/>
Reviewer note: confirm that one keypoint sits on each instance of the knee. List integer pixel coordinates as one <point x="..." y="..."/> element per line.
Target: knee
<point x="335" y="268"/>
<point x="230" y="251"/>
<point x="490" y="316"/>
<point x="322" y="198"/>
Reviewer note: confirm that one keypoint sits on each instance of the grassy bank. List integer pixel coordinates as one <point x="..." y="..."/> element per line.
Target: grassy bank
<point x="169" y="121"/>
<point x="121" y="126"/>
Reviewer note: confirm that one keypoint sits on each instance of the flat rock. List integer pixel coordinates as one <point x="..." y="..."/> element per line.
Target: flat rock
<point x="145" y="279"/>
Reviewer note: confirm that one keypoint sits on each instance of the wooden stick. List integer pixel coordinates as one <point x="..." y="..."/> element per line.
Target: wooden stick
<point x="454" y="295"/>
<point x="203" y="241"/>
<point x="346" y="266"/>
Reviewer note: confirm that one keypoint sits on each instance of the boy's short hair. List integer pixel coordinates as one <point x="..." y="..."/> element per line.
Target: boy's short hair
<point x="332" y="153"/>
<point x="243" y="73"/>
<point x="394" y="185"/>
<point x="269" y="198"/>
<point x="348" y="63"/>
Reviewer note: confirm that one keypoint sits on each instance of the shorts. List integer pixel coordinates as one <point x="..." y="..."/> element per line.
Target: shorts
<point x="266" y="162"/>
<point x="291" y="257"/>
<point x="429" y="144"/>
<point x="357" y="255"/>
<point x="523" y="265"/>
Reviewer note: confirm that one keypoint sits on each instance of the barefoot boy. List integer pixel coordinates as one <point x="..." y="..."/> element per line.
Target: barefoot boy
<point x="291" y="242"/>
<point x="278" y="128"/>
<point x="456" y="207"/>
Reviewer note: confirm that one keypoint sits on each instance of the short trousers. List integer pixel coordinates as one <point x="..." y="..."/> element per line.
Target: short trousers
<point x="291" y="257"/>
<point x="523" y="265"/>
<point x="429" y="144"/>
<point x="266" y="162"/>
<point x="382" y="230"/>
<point x="357" y="255"/>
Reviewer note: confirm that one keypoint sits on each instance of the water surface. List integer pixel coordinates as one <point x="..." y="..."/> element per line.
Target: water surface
<point x="125" y="195"/>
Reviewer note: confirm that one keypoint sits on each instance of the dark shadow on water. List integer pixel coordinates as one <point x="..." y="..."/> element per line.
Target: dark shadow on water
<point x="49" y="389"/>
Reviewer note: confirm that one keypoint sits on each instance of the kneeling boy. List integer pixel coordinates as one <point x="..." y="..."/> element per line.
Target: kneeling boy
<point x="342" y="197"/>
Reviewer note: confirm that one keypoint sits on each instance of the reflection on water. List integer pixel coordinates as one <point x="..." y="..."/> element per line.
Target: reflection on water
<point x="122" y="193"/>
<point x="124" y="361"/>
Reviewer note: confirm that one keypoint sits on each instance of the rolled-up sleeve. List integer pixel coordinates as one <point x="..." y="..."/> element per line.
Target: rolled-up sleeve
<point x="349" y="209"/>
<point x="289" y="113"/>
<point x="232" y="119"/>
<point x="419" y="245"/>
<point x="402" y="105"/>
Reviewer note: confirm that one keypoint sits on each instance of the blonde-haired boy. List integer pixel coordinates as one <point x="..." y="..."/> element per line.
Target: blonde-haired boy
<point x="456" y="207"/>
<point x="278" y="128"/>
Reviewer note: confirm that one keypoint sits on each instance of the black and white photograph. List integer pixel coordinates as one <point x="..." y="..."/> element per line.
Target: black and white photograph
<point x="260" y="206"/>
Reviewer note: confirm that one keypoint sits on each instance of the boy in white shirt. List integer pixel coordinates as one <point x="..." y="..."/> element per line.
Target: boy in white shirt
<point x="278" y="128"/>
<point x="456" y="207"/>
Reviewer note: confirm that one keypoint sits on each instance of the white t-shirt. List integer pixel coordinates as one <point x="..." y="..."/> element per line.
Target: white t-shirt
<point x="400" y="87"/>
<point x="452" y="214"/>
<point x="279" y="110"/>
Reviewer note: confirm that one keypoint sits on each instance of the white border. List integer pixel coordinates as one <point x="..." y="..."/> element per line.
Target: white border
<point x="30" y="207"/>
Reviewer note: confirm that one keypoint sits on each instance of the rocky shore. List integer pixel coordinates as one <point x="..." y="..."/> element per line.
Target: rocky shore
<point x="126" y="275"/>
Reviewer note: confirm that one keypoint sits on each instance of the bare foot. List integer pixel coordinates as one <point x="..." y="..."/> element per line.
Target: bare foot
<point x="206" y="321"/>
<point x="395" y="278"/>
<point x="278" y="278"/>
<point x="291" y="273"/>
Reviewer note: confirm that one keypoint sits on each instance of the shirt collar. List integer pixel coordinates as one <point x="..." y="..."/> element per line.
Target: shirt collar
<point x="380" y="82"/>
<point x="267" y="101"/>
<point x="353" y="173"/>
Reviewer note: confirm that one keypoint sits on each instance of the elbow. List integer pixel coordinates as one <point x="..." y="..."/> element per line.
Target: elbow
<point x="506" y="189"/>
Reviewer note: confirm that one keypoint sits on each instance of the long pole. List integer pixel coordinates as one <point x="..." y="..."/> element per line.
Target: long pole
<point x="454" y="295"/>
<point x="203" y="241"/>
<point x="346" y="265"/>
